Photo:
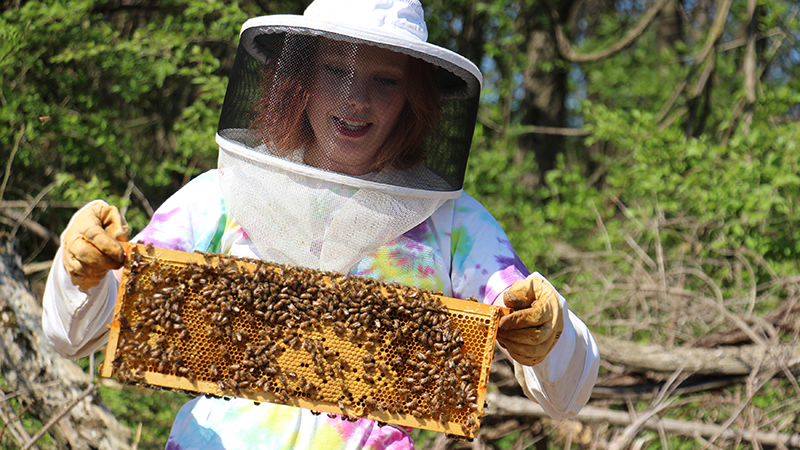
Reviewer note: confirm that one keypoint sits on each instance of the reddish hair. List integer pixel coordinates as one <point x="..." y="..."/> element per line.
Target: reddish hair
<point x="279" y="115"/>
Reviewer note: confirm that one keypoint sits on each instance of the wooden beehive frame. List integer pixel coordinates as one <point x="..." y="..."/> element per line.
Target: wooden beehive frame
<point x="331" y="343"/>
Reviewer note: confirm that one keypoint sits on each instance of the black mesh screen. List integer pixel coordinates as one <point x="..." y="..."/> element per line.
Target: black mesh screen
<point x="351" y="107"/>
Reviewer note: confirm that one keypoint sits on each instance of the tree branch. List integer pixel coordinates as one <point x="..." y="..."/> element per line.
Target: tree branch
<point x="555" y="130"/>
<point x="700" y="59"/>
<point x="59" y="416"/>
<point x="714" y="303"/>
<point x="11" y="160"/>
<point x="34" y="227"/>
<point x="40" y="205"/>
<point x="31" y="207"/>
<point x="520" y="406"/>
<point x="738" y="360"/>
<point x="12" y="424"/>
<point x="568" y="52"/>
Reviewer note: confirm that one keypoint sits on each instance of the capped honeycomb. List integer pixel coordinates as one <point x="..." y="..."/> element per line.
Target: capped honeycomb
<point x="339" y="344"/>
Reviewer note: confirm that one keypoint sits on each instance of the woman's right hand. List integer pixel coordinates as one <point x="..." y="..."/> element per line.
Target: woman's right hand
<point x="92" y="244"/>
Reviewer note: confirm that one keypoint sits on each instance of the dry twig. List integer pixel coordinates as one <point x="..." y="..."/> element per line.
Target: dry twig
<point x="502" y="404"/>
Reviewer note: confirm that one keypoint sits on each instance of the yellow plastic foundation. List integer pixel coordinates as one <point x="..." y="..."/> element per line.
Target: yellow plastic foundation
<point x="331" y="343"/>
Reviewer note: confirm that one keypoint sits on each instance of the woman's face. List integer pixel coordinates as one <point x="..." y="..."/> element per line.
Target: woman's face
<point x="354" y="101"/>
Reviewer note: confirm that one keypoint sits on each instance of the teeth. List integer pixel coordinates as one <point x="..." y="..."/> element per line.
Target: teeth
<point x="351" y="125"/>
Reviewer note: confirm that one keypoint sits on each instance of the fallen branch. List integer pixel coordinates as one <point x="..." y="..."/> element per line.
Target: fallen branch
<point x="59" y="416"/>
<point x="559" y="131"/>
<point x="32" y="226"/>
<point x="11" y="423"/>
<point x="42" y="379"/>
<point x="37" y="267"/>
<point x="644" y="390"/>
<point x="704" y="361"/>
<point x="39" y="205"/>
<point x="520" y="406"/>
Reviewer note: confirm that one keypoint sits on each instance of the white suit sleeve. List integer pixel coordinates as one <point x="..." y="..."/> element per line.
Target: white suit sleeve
<point x="76" y="323"/>
<point x="563" y="382"/>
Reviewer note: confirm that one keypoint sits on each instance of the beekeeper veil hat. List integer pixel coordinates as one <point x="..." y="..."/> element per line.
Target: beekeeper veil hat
<point x="342" y="129"/>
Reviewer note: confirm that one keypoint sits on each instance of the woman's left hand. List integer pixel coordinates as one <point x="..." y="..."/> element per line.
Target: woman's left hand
<point x="532" y="330"/>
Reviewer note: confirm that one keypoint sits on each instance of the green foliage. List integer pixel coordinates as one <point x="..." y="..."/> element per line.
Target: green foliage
<point x="153" y="410"/>
<point x="118" y="99"/>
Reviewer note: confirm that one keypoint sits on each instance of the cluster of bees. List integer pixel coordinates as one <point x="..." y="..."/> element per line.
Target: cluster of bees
<point x="362" y="345"/>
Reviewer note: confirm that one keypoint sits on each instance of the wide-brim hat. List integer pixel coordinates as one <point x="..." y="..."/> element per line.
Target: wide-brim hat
<point x="276" y="52"/>
<point x="397" y="25"/>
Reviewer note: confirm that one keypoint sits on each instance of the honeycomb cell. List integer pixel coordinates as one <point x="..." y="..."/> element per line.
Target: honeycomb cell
<point x="340" y="344"/>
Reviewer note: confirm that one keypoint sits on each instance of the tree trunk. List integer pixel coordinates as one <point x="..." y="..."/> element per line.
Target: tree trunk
<point x="41" y="379"/>
<point x="668" y="26"/>
<point x="545" y="87"/>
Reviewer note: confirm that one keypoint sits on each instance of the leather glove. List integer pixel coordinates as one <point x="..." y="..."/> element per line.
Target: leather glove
<point x="532" y="330"/>
<point x="92" y="244"/>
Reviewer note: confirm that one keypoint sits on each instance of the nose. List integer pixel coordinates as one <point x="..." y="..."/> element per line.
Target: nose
<point x="358" y="95"/>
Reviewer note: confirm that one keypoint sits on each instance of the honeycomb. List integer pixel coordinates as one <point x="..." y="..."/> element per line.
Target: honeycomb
<point x="340" y="344"/>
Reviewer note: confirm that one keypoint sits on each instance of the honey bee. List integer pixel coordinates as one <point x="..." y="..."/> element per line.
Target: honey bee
<point x="403" y="392"/>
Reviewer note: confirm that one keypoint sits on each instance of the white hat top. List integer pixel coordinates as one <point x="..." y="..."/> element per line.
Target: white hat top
<point x="395" y="24"/>
<point x="404" y="19"/>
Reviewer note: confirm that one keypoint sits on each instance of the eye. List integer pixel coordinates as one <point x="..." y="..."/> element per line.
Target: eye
<point x="387" y="81"/>
<point x="335" y="70"/>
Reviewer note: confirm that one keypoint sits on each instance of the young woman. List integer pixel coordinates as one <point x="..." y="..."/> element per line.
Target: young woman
<point x="343" y="143"/>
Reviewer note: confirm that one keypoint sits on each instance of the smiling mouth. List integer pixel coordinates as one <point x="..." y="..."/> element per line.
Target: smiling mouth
<point x="351" y="128"/>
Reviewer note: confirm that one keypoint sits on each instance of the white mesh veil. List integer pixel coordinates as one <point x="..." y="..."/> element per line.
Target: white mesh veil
<point x="336" y="139"/>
